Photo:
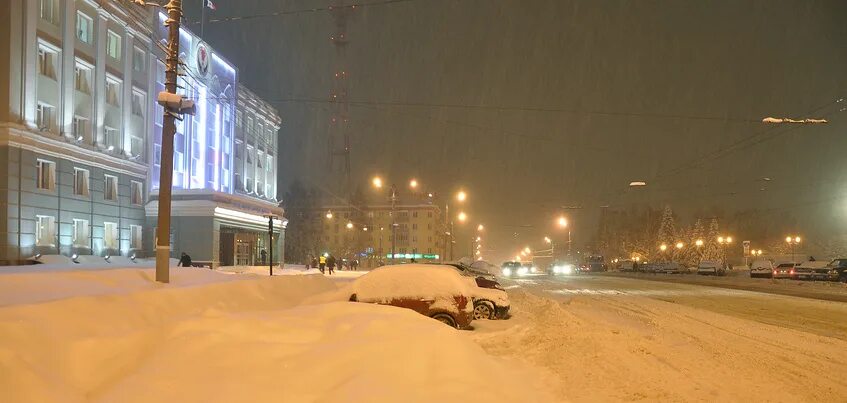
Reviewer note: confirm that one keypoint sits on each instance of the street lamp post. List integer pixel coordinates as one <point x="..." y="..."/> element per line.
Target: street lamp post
<point x="563" y="223"/>
<point x="795" y="240"/>
<point x="724" y="241"/>
<point x="699" y="244"/>
<point x="552" y="248"/>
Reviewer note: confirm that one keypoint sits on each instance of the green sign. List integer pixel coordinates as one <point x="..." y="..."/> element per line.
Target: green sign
<point x="412" y="256"/>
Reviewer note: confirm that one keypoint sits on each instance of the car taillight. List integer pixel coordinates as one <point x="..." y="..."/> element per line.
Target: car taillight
<point x="791" y="272"/>
<point x="774" y="272"/>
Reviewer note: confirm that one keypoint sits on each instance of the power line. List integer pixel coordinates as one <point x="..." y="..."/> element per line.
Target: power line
<point x="303" y="11"/>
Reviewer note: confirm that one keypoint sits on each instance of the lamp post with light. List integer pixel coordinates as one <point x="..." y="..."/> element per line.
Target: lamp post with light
<point x="699" y="244"/>
<point x="724" y="241"/>
<point x="795" y="240"/>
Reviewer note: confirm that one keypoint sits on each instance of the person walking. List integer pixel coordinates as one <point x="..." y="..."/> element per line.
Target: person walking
<point x="330" y="264"/>
<point x="322" y="263"/>
<point x="264" y="254"/>
<point x="314" y="264"/>
<point x="184" y="260"/>
<point x="354" y="265"/>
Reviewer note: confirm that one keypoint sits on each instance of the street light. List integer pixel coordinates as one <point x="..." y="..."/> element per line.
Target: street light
<point x="329" y="214"/>
<point x="679" y="245"/>
<point x="480" y="227"/>
<point x="724" y="241"/>
<point x="562" y="222"/>
<point x="462" y="216"/>
<point x="527" y="250"/>
<point x="349" y="225"/>
<point x="377" y="181"/>
<point x="663" y="247"/>
<point x="461" y="196"/>
<point x="413" y="184"/>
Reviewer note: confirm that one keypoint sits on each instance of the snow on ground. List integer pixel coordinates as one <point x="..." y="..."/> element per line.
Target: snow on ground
<point x="621" y="346"/>
<point x="117" y="336"/>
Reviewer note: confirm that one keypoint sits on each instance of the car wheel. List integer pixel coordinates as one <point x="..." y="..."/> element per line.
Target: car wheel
<point x="843" y="277"/>
<point x="445" y="319"/>
<point x="483" y="310"/>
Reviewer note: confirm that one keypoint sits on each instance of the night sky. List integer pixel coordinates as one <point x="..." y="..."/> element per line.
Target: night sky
<point x="531" y="105"/>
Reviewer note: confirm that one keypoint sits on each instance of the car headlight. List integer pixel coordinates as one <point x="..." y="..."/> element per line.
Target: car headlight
<point x="522" y="271"/>
<point x="507" y="272"/>
<point x="567" y="269"/>
<point x="533" y="269"/>
<point x="557" y="269"/>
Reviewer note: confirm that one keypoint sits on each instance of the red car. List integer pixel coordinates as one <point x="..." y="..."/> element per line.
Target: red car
<point x="438" y="292"/>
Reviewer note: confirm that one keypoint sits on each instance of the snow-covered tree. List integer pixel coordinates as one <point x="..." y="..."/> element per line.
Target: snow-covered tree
<point x="667" y="228"/>
<point x="711" y="249"/>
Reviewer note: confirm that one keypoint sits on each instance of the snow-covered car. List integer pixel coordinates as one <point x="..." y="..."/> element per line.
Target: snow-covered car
<point x="561" y="269"/>
<point x="761" y="268"/>
<point x="839" y="267"/>
<point x="814" y="270"/>
<point x="627" y="265"/>
<point x="438" y="292"/>
<point x="784" y="270"/>
<point x="669" y="268"/>
<point x="711" y="267"/>
<point x="490" y="300"/>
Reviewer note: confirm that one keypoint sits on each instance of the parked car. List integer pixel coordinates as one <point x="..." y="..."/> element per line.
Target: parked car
<point x="761" y="268"/>
<point x="838" y="269"/>
<point x="784" y="270"/>
<point x="711" y="267"/>
<point x="627" y="265"/>
<point x="490" y="300"/>
<point x="670" y="268"/>
<point x="438" y="292"/>
<point x="814" y="270"/>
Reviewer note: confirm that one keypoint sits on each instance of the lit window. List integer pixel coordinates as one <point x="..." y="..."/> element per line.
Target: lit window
<point x="45" y="230"/>
<point x="84" y="26"/>
<point x="82" y="78"/>
<point x="139" y="59"/>
<point x="82" y="234"/>
<point x="80" y="182"/>
<point x="113" y="45"/>
<point x="113" y="91"/>
<point x="112" y="138"/>
<point x="110" y="191"/>
<point x="137" y="195"/>
<point x="49" y="11"/>
<point x="135" y="237"/>
<point x="46" y="175"/>
<point x="47" y="61"/>
<point x="110" y="235"/>
<point x="44" y="114"/>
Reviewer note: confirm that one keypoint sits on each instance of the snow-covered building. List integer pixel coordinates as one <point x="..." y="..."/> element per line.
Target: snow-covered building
<point x="80" y="137"/>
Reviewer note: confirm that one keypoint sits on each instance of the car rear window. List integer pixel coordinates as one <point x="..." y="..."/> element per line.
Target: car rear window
<point x="786" y="265"/>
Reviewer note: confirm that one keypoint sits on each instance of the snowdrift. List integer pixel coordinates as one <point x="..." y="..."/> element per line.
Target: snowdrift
<point x="218" y="337"/>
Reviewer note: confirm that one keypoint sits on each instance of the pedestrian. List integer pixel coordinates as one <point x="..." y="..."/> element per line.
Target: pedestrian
<point x="184" y="260"/>
<point x="330" y="264"/>
<point x="264" y="254"/>
<point x="354" y="265"/>
<point x="322" y="263"/>
<point x="314" y="263"/>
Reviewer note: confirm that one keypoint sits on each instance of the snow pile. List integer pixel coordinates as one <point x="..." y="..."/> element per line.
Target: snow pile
<point x="86" y="262"/>
<point x="410" y="280"/>
<point x="252" y="339"/>
<point x="789" y="120"/>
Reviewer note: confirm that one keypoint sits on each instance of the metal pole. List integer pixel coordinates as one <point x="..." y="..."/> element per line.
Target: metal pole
<point x="163" y="231"/>
<point x="202" y="17"/>
<point x="393" y="219"/>
<point x="271" y="245"/>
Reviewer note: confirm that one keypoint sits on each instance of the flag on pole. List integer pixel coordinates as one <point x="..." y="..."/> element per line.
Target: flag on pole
<point x="211" y="5"/>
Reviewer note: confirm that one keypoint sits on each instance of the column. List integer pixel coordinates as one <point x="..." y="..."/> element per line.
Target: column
<point x="126" y="97"/>
<point x="66" y="117"/>
<point x="30" y="73"/>
<point x="99" y="115"/>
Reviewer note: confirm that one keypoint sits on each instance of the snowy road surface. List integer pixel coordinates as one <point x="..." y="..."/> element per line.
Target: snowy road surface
<point x="611" y="339"/>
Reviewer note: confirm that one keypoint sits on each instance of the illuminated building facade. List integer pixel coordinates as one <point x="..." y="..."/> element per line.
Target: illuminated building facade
<point x="80" y="139"/>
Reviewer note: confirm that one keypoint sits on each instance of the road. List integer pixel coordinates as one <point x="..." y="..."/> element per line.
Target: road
<point x="601" y="338"/>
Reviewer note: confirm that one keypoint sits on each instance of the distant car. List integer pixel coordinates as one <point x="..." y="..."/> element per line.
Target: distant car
<point x="838" y="268"/>
<point x="438" y="292"/>
<point x="784" y="270"/>
<point x="669" y="268"/>
<point x="513" y="269"/>
<point x="627" y="265"/>
<point x="711" y="267"/>
<point x="814" y="270"/>
<point x="561" y="269"/>
<point x="761" y="268"/>
<point x="531" y="268"/>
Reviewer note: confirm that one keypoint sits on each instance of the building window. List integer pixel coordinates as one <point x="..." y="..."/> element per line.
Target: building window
<point x="45" y="230"/>
<point x="415" y="214"/>
<point x="79" y="125"/>
<point x="138" y="99"/>
<point x="139" y="59"/>
<point x="110" y="191"/>
<point x="47" y="57"/>
<point x="81" y="182"/>
<point x="84" y="26"/>
<point x="82" y="234"/>
<point x="137" y="195"/>
<point x="44" y="114"/>
<point x="135" y="237"/>
<point x="238" y="115"/>
<point x="414" y="226"/>
<point x="46" y="175"/>
<point x="113" y="45"/>
<point x="113" y="91"/>
<point x="112" y="138"/>
<point x="82" y="78"/>
<point x="110" y="235"/>
<point x="49" y="11"/>
<point x="429" y="214"/>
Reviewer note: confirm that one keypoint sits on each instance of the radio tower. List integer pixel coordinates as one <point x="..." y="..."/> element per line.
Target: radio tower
<point x="339" y="135"/>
